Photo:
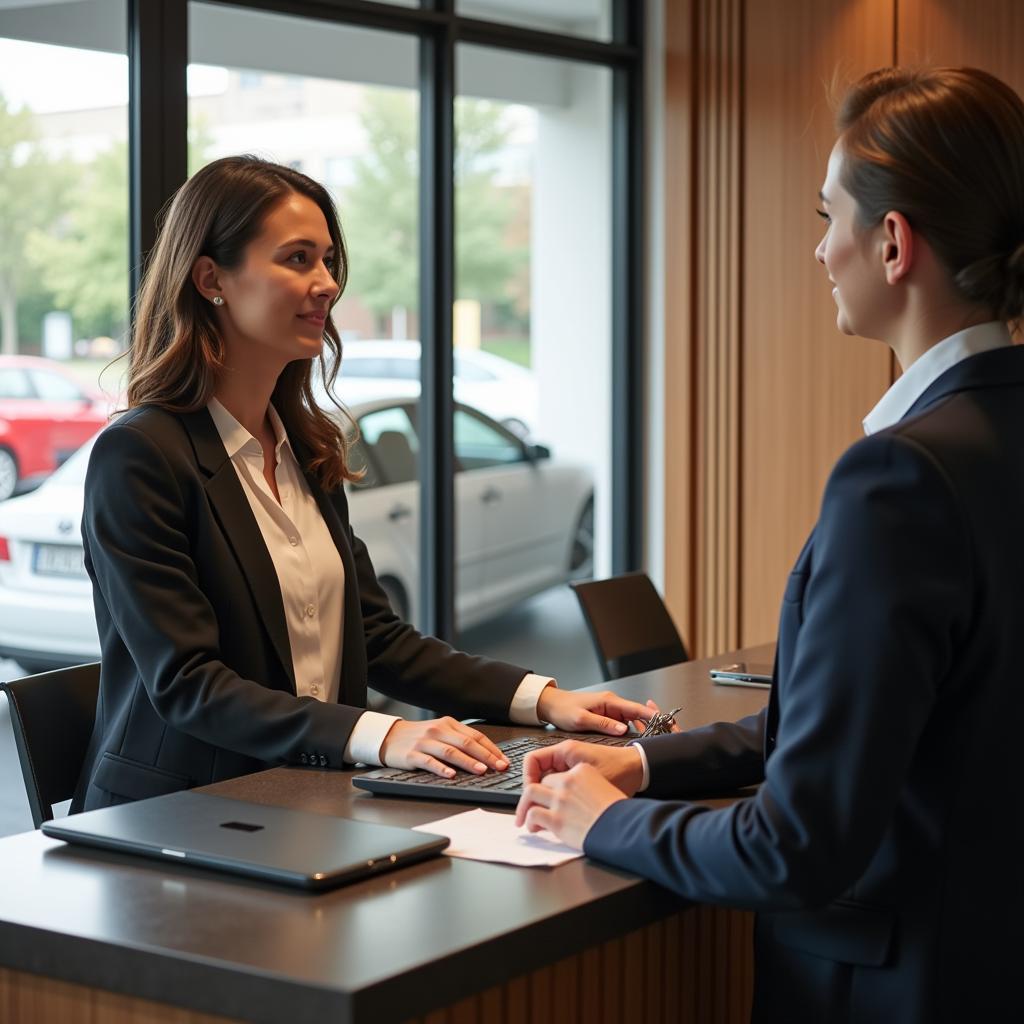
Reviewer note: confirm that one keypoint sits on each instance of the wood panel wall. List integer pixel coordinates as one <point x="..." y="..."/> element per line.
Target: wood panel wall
<point x="762" y="391"/>
<point x="703" y="308"/>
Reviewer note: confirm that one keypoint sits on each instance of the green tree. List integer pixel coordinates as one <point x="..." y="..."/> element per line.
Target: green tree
<point x="33" y="194"/>
<point x="379" y="210"/>
<point x="88" y="253"/>
<point x="90" y="248"/>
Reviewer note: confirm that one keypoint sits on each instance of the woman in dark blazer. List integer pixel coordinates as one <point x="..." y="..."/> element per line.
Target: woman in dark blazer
<point x="882" y="850"/>
<point x="239" y="615"/>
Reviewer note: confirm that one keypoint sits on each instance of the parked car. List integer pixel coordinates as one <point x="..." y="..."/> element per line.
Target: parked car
<point x="391" y="369"/>
<point x="45" y="415"/>
<point x="524" y="522"/>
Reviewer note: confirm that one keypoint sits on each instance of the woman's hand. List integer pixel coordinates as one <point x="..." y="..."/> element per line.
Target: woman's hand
<point x="621" y="766"/>
<point x="437" y="744"/>
<point x="579" y="711"/>
<point x="568" y="803"/>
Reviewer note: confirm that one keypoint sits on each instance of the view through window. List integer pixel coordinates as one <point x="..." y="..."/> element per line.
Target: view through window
<point x="532" y="331"/>
<point x="63" y="317"/>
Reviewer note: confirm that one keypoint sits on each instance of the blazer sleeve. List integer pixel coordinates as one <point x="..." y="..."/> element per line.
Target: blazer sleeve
<point x="136" y="528"/>
<point x="422" y="670"/>
<point x="713" y="759"/>
<point x="885" y="607"/>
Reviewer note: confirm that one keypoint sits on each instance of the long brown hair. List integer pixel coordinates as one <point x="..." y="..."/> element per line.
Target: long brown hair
<point x="944" y="147"/>
<point x="177" y="352"/>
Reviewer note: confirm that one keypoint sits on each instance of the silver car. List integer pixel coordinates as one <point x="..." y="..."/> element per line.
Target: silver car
<point x="524" y="522"/>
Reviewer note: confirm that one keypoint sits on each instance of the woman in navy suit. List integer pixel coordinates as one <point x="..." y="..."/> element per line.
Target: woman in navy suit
<point x="239" y="615"/>
<point x="882" y="849"/>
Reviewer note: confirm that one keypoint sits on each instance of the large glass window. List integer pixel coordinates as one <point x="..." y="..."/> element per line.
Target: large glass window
<point x="63" y="316"/>
<point x="531" y="333"/>
<point x="533" y="319"/>
<point x="589" y="18"/>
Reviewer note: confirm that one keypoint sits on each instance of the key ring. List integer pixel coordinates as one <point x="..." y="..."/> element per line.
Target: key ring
<point x="661" y="723"/>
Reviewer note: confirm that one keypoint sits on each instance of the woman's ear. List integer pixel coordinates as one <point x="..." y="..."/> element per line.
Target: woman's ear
<point x="206" y="278"/>
<point x="897" y="246"/>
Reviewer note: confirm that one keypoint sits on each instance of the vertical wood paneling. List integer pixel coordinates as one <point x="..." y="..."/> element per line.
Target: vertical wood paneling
<point x="673" y="972"/>
<point x="716" y="337"/>
<point x="805" y="386"/>
<point x="31" y="998"/>
<point x="985" y="35"/>
<point x="679" y="382"/>
<point x="703" y="140"/>
<point x="762" y="392"/>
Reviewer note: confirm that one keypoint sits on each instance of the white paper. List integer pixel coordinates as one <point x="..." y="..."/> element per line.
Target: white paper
<point x="485" y="835"/>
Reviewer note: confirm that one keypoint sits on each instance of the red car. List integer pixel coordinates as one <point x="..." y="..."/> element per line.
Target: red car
<point x="45" y="415"/>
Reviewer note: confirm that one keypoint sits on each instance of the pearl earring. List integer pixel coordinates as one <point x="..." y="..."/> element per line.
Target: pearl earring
<point x="218" y="301"/>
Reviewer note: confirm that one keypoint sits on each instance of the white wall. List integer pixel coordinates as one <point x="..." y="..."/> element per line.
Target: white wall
<point x="571" y="283"/>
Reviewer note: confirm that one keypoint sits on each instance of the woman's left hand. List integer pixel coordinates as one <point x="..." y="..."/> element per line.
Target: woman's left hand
<point x="567" y="803"/>
<point x="578" y="711"/>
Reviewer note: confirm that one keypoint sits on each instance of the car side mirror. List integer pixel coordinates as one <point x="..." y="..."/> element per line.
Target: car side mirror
<point x="537" y="452"/>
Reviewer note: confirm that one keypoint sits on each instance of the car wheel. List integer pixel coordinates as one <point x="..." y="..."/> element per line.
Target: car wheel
<point x="396" y="596"/>
<point x="581" y="557"/>
<point x="8" y="473"/>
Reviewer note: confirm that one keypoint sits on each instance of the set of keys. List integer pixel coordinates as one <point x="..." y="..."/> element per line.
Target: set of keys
<point x="661" y="723"/>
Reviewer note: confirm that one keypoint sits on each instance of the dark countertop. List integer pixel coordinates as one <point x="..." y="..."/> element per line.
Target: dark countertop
<point x="389" y="948"/>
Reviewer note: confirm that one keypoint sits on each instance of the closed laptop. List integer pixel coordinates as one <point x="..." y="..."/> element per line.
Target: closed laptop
<point x="276" y="844"/>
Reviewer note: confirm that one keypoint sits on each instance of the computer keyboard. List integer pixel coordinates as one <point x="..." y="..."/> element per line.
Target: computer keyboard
<point x="490" y="788"/>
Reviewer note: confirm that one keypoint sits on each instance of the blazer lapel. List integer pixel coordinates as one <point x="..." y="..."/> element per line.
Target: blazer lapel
<point x="242" y="531"/>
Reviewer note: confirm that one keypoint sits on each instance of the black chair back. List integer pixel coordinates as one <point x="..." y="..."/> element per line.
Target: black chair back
<point x="629" y="624"/>
<point x="52" y="715"/>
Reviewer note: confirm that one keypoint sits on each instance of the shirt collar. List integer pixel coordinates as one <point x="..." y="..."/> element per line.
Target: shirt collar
<point x="237" y="439"/>
<point x="896" y="402"/>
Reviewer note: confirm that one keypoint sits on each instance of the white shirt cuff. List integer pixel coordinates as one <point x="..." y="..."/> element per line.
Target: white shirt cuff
<point x="646" y="781"/>
<point x="366" y="737"/>
<point x="523" y="710"/>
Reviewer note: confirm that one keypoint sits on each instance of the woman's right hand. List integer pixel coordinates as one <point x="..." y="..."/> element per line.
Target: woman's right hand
<point x="437" y="744"/>
<point x="621" y="766"/>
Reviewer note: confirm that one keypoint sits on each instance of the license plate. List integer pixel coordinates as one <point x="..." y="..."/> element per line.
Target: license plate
<point x="59" y="560"/>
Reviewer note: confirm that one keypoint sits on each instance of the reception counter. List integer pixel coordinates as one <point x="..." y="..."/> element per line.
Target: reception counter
<point x="92" y="937"/>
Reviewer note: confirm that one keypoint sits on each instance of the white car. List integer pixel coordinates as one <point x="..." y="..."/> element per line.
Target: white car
<point x="524" y="523"/>
<point x="391" y="369"/>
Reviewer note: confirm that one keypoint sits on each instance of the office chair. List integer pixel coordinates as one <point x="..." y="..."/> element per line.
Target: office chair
<point x="629" y="624"/>
<point x="52" y="715"/>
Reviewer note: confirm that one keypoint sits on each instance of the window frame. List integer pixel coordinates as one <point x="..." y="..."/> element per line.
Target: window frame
<point x="158" y="58"/>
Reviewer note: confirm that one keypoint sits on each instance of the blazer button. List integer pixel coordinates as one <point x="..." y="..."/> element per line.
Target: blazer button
<point x="303" y="759"/>
<point x="323" y="761"/>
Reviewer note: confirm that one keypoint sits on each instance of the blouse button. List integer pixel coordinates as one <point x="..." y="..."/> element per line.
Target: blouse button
<point x="310" y="610"/>
<point x="293" y="541"/>
<point x="314" y="689"/>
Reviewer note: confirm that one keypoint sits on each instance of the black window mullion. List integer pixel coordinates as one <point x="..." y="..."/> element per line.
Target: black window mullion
<point x="437" y="293"/>
<point x="157" y="117"/>
<point x="628" y="256"/>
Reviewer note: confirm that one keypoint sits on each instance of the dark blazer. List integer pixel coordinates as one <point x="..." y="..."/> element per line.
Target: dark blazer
<point x="197" y="681"/>
<point x="883" y="848"/>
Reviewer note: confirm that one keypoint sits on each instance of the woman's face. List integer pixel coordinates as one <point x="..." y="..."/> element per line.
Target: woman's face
<point x="851" y="255"/>
<point x="277" y="302"/>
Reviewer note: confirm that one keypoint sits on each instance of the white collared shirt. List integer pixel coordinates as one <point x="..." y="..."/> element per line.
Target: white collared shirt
<point x="311" y="577"/>
<point x="925" y="370"/>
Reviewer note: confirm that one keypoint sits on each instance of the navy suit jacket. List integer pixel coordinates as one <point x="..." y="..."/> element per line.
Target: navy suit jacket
<point x="882" y="850"/>
<point x="197" y="683"/>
